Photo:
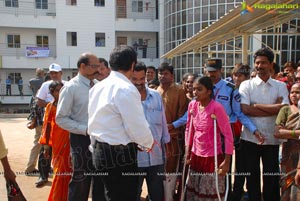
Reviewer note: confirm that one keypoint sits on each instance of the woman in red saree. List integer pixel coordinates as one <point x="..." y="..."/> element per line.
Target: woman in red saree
<point x="59" y="139"/>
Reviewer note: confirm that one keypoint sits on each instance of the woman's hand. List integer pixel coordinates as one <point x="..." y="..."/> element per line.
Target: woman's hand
<point x="224" y="166"/>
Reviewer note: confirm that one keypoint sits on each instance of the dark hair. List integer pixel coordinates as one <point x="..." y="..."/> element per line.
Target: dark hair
<point x="102" y="60"/>
<point x="154" y="82"/>
<point x="140" y="66"/>
<point x="264" y="52"/>
<point x="165" y="66"/>
<point x="122" y="57"/>
<point x="151" y="67"/>
<point x="53" y="85"/>
<point x="84" y="58"/>
<point x="243" y="69"/>
<point x="186" y="76"/>
<point x="290" y="64"/>
<point x="47" y="77"/>
<point x="207" y="83"/>
<point x="276" y="68"/>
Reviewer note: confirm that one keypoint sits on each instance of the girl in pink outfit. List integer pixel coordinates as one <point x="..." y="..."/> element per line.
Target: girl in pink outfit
<point x="201" y="182"/>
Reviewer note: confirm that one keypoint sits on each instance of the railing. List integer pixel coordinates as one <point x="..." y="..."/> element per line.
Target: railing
<point x="136" y="13"/>
<point x="27" y="8"/>
<point x="15" y="90"/>
<point x="21" y="52"/>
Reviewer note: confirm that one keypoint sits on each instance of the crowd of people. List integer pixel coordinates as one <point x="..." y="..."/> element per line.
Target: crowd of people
<point x="119" y="123"/>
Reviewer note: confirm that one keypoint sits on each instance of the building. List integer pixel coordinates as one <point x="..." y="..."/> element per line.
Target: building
<point x="35" y="33"/>
<point x="185" y="18"/>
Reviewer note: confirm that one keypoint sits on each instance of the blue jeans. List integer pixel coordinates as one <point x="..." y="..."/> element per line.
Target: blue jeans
<point x="116" y="166"/>
<point x="154" y="176"/>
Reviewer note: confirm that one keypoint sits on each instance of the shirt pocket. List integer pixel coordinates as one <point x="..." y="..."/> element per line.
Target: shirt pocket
<point x="154" y="117"/>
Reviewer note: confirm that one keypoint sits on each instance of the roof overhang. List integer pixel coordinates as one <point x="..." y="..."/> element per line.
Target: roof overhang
<point x="235" y="24"/>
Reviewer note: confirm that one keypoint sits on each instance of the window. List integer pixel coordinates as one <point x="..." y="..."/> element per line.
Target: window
<point x="71" y="2"/>
<point x="71" y="38"/>
<point x="100" y="39"/>
<point x="13" y="41"/>
<point x="42" y="41"/>
<point x="137" y="6"/>
<point x="41" y="4"/>
<point x="11" y="3"/>
<point x="99" y="2"/>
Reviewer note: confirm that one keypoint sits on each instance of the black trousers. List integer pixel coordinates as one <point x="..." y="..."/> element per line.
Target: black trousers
<point x="240" y="170"/>
<point x="117" y="168"/>
<point x="270" y="161"/>
<point x="83" y="171"/>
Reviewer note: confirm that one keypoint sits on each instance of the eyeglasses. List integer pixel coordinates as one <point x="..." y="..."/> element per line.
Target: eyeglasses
<point x="93" y="65"/>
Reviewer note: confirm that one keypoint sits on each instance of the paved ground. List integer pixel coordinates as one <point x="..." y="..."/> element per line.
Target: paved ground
<point x="18" y="140"/>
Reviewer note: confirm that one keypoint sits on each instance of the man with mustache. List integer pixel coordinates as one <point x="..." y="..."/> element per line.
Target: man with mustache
<point x="103" y="70"/>
<point x="72" y="115"/>
<point x="151" y="165"/>
<point x="175" y="103"/>
<point x="261" y="99"/>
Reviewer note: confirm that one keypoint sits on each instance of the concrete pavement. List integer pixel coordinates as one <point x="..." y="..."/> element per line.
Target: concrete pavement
<point x="18" y="140"/>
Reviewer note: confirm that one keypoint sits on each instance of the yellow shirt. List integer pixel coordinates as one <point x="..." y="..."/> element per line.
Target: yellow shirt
<point x="3" y="150"/>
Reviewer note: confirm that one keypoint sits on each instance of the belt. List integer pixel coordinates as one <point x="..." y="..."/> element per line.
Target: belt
<point x="130" y="145"/>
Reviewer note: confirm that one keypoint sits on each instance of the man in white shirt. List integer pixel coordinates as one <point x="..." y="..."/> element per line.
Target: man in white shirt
<point x="117" y="122"/>
<point x="261" y="99"/>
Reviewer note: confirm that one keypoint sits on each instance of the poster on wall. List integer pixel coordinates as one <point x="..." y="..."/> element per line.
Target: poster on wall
<point x="35" y="52"/>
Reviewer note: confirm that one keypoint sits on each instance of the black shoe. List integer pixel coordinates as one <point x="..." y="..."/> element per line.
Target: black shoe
<point x="40" y="182"/>
<point x="34" y="172"/>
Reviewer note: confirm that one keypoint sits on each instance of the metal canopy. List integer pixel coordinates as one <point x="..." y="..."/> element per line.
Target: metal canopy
<point x="234" y="24"/>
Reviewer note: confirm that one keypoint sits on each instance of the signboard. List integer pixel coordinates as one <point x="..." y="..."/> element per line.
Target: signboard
<point x="35" y="52"/>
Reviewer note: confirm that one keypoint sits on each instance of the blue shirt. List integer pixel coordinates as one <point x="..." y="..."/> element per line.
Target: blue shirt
<point x="8" y="81"/>
<point x="230" y="98"/>
<point x="156" y="118"/>
<point x="181" y="121"/>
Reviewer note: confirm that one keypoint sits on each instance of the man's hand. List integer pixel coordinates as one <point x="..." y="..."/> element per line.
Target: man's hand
<point x="279" y="100"/>
<point x="170" y="127"/>
<point x="9" y="175"/>
<point x="260" y="138"/>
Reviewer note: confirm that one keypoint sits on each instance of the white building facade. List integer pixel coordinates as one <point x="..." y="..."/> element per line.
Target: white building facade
<point x="35" y="33"/>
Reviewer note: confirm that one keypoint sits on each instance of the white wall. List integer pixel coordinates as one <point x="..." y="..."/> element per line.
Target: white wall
<point x="86" y="20"/>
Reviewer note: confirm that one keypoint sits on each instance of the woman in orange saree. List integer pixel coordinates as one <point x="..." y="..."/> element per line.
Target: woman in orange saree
<point x="60" y="148"/>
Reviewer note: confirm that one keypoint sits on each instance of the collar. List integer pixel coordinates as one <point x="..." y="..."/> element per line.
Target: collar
<point x="120" y="75"/>
<point x="219" y="84"/>
<point x="259" y="81"/>
<point x="149" y="93"/>
<point x="83" y="79"/>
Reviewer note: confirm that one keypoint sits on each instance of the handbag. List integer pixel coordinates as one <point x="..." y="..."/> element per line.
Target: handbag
<point x="14" y="192"/>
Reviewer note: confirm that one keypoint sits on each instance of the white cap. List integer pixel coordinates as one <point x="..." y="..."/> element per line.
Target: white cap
<point x="54" y="67"/>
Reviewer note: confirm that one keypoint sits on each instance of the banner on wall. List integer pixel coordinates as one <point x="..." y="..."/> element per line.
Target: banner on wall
<point x="35" y="52"/>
